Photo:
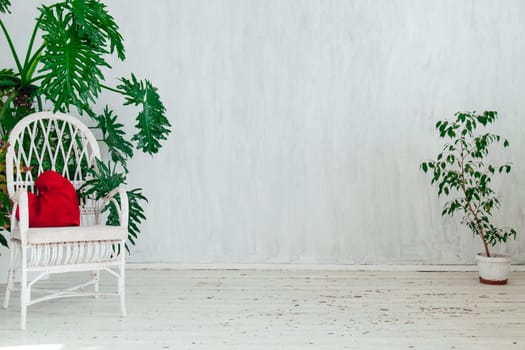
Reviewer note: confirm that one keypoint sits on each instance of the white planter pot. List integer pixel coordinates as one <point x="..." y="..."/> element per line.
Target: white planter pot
<point x="493" y="270"/>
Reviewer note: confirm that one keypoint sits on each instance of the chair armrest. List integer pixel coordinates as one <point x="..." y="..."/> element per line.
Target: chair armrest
<point x="122" y="207"/>
<point x="21" y="202"/>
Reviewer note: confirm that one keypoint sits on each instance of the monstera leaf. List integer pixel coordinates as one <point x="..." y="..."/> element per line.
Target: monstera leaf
<point x="71" y="64"/>
<point x="136" y="214"/>
<point x="105" y="179"/>
<point x="94" y="23"/>
<point x="120" y="149"/>
<point x="78" y="34"/>
<point x="152" y="124"/>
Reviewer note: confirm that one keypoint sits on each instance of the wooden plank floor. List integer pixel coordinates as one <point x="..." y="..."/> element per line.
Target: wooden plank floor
<point x="248" y="309"/>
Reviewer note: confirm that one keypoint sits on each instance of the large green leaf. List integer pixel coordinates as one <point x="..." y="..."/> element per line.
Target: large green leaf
<point x="152" y="124"/>
<point x="105" y="179"/>
<point x="136" y="214"/>
<point x="71" y="63"/>
<point x="96" y="24"/>
<point x="119" y="148"/>
<point x="4" y="6"/>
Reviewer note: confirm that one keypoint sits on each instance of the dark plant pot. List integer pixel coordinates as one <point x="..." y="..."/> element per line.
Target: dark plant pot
<point x="493" y="270"/>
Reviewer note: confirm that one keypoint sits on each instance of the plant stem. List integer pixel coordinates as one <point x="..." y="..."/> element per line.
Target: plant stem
<point x="37" y="78"/>
<point x="110" y="89"/>
<point x="33" y="61"/>
<point x="39" y="101"/>
<point x="11" y="46"/>
<point x="469" y="204"/>
<point x="30" y="48"/>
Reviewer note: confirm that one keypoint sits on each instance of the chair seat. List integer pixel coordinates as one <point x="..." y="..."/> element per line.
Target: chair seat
<point x="40" y="235"/>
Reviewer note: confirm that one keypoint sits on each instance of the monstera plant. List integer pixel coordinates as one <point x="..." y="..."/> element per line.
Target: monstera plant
<point x="62" y="69"/>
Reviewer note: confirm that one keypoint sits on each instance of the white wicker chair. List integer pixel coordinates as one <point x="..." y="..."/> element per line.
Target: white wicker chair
<point x="59" y="142"/>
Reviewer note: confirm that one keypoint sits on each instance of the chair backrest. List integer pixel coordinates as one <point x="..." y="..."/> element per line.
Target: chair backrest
<point x="49" y="141"/>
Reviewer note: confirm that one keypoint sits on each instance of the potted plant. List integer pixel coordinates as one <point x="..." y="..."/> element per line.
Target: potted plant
<point x="63" y="69"/>
<point x="462" y="173"/>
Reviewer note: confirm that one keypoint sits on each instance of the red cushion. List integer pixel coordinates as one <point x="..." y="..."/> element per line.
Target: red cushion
<point x="56" y="203"/>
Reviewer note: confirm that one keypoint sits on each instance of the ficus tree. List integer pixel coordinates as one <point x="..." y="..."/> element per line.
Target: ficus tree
<point x="63" y="69"/>
<point x="462" y="173"/>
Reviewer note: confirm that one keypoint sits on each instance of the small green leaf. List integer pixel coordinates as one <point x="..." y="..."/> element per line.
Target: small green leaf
<point x="482" y="120"/>
<point x="4" y="8"/>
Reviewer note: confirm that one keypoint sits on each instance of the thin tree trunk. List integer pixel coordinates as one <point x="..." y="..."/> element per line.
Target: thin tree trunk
<point x="469" y="204"/>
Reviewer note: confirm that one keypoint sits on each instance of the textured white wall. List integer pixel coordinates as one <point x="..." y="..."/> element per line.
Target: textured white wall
<point x="299" y="125"/>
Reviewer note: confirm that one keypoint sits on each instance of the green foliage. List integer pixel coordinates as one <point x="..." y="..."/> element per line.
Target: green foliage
<point x="78" y="34"/>
<point x="71" y="63"/>
<point x="4" y="6"/>
<point x="96" y="25"/>
<point x="136" y="214"/>
<point x="105" y="179"/>
<point x="64" y="65"/>
<point x="8" y="82"/>
<point x="461" y="173"/>
<point x="8" y="79"/>
<point x="152" y="124"/>
<point x="67" y="70"/>
<point x="120" y="149"/>
<point x="3" y="240"/>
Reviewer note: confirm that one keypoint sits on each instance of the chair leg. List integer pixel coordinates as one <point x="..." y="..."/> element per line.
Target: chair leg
<point x="24" y="290"/>
<point x="23" y="317"/>
<point x="96" y="277"/>
<point x="10" y="275"/>
<point x="122" y="280"/>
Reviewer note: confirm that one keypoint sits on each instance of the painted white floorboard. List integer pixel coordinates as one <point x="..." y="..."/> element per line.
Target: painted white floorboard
<point x="253" y="309"/>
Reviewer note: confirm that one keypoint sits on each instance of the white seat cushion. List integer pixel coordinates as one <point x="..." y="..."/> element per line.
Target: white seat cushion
<point x="37" y="235"/>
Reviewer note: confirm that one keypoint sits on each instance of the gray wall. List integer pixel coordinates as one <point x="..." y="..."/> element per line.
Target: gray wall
<point x="299" y="125"/>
